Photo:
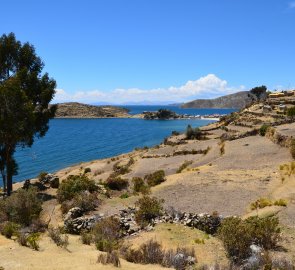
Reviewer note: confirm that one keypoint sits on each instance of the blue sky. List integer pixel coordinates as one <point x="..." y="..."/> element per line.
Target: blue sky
<point x="157" y="51"/>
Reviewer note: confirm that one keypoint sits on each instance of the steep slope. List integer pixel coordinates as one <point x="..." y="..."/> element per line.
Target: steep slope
<point x="237" y="100"/>
<point x="79" y="110"/>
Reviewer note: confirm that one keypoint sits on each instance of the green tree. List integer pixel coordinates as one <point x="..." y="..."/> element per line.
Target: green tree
<point x="25" y="93"/>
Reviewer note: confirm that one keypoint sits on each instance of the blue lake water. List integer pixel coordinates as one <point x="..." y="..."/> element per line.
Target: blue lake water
<point x="71" y="141"/>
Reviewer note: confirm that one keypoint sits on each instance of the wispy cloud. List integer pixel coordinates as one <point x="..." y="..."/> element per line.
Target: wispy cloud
<point x="292" y="4"/>
<point x="205" y="87"/>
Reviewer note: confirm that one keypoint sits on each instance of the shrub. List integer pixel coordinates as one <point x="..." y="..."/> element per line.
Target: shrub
<point x="148" y="209"/>
<point x="155" y="178"/>
<point x="236" y="238"/>
<point x="42" y="176"/>
<point x="292" y="148"/>
<point x="291" y="111"/>
<point x="193" y="133"/>
<point x="84" y="200"/>
<point x="265" y="231"/>
<point x="86" y="237"/>
<point x="32" y="240"/>
<point x="183" y="166"/>
<point x="122" y="169"/>
<point x="124" y="195"/>
<point x="152" y="252"/>
<point x="61" y="240"/>
<point x="280" y="202"/>
<point x="263" y="129"/>
<point x="140" y="186"/>
<point x="29" y="240"/>
<point x="261" y="203"/>
<point x="75" y="184"/>
<point x="106" y="234"/>
<point x="22" y="206"/>
<point x="222" y="148"/>
<point x="117" y="183"/>
<point x="175" y="133"/>
<point x="87" y="170"/>
<point x="237" y="235"/>
<point x="9" y="229"/>
<point x="109" y="258"/>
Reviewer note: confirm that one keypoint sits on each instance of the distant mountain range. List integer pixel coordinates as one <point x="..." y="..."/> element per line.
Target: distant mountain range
<point x="235" y="101"/>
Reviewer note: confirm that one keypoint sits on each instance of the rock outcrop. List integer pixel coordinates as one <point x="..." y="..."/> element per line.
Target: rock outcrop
<point x="79" y="110"/>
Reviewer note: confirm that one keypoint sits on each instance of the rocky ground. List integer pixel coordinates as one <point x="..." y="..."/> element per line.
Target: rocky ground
<point x="228" y="171"/>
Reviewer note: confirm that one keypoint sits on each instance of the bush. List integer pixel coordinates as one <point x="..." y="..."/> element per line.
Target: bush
<point x="87" y="170"/>
<point x="124" y="195"/>
<point x="291" y="111"/>
<point x="292" y="148"/>
<point x="261" y="203"/>
<point x="152" y="252"/>
<point x="155" y="178"/>
<point x="29" y="240"/>
<point x="9" y="229"/>
<point x="263" y="129"/>
<point x="86" y="238"/>
<point x="84" y="200"/>
<point x="140" y="186"/>
<point x="106" y="234"/>
<point x="280" y="202"/>
<point x="61" y="240"/>
<point x="42" y="176"/>
<point x="183" y="166"/>
<point x="237" y="235"/>
<point x="21" y="207"/>
<point x="117" y="183"/>
<point x="148" y="209"/>
<point x="73" y="185"/>
<point x="109" y="258"/>
<point x="193" y="133"/>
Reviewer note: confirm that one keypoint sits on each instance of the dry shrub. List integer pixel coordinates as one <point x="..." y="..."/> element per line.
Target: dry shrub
<point x="237" y="235"/>
<point x="155" y="178"/>
<point x="292" y="148"/>
<point x="22" y="207"/>
<point x="148" y="209"/>
<point x="84" y="200"/>
<point x="117" y="183"/>
<point x="29" y="240"/>
<point x="9" y="229"/>
<point x="140" y="186"/>
<point x="106" y="234"/>
<point x="152" y="252"/>
<point x="86" y="237"/>
<point x="61" y="240"/>
<point x="183" y="166"/>
<point x="73" y="185"/>
<point x="109" y="258"/>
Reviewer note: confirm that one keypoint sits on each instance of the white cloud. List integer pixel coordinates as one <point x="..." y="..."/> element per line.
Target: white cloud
<point x="209" y="86"/>
<point x="292" y="4"/>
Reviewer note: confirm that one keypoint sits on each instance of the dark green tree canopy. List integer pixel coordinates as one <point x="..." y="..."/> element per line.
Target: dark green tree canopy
<point x="25" y="93"/>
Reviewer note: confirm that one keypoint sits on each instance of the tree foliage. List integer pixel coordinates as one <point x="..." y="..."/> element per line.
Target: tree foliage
<point x="25" y="93"/>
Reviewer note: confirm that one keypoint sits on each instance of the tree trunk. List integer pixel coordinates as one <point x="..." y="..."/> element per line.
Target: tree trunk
<point x="9" y="170"/>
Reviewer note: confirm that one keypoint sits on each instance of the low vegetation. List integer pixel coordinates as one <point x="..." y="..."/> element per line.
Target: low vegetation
<point x="73" y="185"/>
<point x="263" y="129"/>
<point x="152" y="252"/>
<point x="22" y="207"/>
<point x="139" y="186"/>
<point x="194" y="133"/>
<point x="106" y="234"/>
<point x="292" y="148"/>
<point x="264" y="202"/>
<point x="58" y="237"/>
<point x="155" y="178"/>
<point x="183" y="166"/>
<point x="237" y="235"/>
<point x="148" y="209"/>
<point x="117" y="183"/>
<point x="85" y="200"/>
<point x="291" y="111"/>
<point x="109" y="258"/>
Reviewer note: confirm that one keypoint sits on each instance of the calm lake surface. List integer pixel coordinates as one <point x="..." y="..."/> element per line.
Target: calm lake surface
<point x="71" y="141"/>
